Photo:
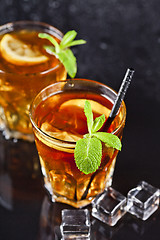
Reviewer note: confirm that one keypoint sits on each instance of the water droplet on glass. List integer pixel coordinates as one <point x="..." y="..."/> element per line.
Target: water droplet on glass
<point x="103" y="45"/>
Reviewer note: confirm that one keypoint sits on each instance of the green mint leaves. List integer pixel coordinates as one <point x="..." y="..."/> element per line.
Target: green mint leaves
<point x="88" y="153"/>
<point x="88" y="150"/>
<point x="62" y="50"/>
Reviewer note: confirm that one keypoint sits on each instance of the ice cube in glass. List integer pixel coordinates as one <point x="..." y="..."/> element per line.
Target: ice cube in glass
<point x="109" y="206"/>
<point x="75" y="224"/>
<point x="144" y="200"/>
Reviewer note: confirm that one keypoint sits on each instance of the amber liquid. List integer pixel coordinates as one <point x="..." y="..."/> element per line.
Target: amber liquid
<point x="20" y="84"/>
<point x="62" y="116"/>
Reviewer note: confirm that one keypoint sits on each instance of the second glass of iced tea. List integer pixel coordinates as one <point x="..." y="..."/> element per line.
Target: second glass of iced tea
<point x="58" y="119"/>
<point x="25" y="69"/>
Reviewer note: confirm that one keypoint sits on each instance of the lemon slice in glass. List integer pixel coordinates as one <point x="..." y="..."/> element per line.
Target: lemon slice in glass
<point x="62" y="135"/>
<point x="19" y="53"/>
<point x="96" y="107"/>
<point x="56" y="133"/>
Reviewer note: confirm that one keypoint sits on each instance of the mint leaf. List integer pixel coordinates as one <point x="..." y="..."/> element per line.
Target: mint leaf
<point x="88" y="151"/>
<point x="51" y="39"/>
<point x="68" y="38"/>
<point x="98" y="123"/>
<point x="89" y="159"/>
<point x="62" y="52"/>
<point x="76" y="42"/>
<point x="69" y="61"/>
<point x="50" y="49"/>
<point x="110" y="139"/>
<point x="89" y="115"/>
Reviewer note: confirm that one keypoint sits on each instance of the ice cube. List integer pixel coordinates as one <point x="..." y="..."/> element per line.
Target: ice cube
<point x="144" y="200"/>
<point x="63" y="183"/>
<point x="75" y="224"/>
<point x="75" y="238"/>
<point x="102" y="179"/>
<point x="98" y="184"/>
<point x="82" y="183"/>
<point x="109" y="206"/>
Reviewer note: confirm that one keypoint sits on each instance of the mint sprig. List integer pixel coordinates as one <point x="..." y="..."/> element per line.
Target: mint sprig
<point x="88" y="150"/>
<point x="62" y="50"/>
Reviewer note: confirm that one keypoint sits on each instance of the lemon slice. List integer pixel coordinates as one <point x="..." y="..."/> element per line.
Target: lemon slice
<point x="96" y="107"/>
<point x="19" y="53"/>
<point x="63" y="135"/>
<point x="56" y="133"/>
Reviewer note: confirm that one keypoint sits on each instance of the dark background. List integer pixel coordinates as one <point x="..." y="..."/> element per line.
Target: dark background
<point x="119" y="34"/>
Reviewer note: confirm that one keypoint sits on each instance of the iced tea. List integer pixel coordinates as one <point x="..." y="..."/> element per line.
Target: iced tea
<point x="58" y="119"/>
<point x="25" y="69"/>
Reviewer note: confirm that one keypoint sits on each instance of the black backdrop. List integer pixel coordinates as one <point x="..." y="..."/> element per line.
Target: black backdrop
<point x="119" y="34"/>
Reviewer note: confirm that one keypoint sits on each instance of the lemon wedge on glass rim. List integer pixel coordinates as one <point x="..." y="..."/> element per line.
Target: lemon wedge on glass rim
<point x="19" y="53"/>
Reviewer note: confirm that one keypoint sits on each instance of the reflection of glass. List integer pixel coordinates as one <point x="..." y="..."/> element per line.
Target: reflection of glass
<point x="58" y="119"/>
<point x="6" y="192"/>
<point x="103" y="231"/>
<point x="25" y="68"/>
<point x="20" y="176"/>
<point x="49" y="227"/>
<point x="140" y="228"/>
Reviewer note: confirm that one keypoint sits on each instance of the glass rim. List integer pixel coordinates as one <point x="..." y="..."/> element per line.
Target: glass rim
<point x="51" y="29"/>
<point x="71" y="144"/>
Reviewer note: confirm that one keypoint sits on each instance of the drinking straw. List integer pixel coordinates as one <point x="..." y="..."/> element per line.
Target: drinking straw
<point x="120" y="97"/>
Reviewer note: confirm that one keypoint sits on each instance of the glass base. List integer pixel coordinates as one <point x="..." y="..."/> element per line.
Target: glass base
<point x="62" y="199"/>
<point x="76" y="204"/>
<point x="9" y="134"/>
<point x="85" y="200"/>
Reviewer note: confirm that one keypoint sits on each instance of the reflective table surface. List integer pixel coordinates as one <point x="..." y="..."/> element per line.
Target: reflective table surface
<point x="27" y="213"/>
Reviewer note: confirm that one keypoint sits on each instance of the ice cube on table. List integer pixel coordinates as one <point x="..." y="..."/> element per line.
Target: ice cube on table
<point x="144" y="200"/>
<point x="75" y="238"/>
<point x="75" y="224"/>
<point x="109" y="206"/>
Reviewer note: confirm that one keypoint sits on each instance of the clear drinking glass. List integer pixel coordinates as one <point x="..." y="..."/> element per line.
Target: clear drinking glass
<point x="25" y="69"/>
<point x="58" y="119"/>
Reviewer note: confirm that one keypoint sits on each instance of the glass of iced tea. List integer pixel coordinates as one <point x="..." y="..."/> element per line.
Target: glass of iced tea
<point x="25" y="69"/>
<point x="58" y="119"/>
